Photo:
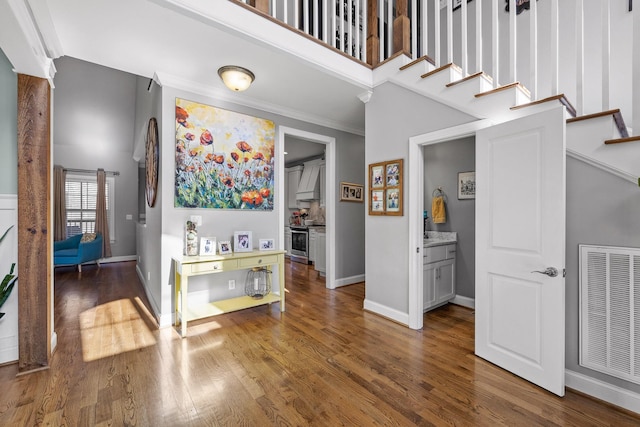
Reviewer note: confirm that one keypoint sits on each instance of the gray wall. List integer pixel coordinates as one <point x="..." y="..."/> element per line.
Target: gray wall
<point x="93" y="122"/>
<point x="165" y="223"/>
<point x="8" y="127"/>
<point x="442" y="162"/>
<point x="602" y="209"/>
<point x="393" y="115"/>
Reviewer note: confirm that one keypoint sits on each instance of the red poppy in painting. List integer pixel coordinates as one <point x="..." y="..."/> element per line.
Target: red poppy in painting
<point x="182" y="116"/>
<point x="264" y="192"/>
<point x="189" y="136"/>
<point x="206" y="138"/>
<point x="247" y="172"/>
<point x="252" y="198"/>
<point x="235" y="156"/>
<point x="218" y="158"/>
<point x="258" y="156"/>
<point x="228" y="181"/>
<point x="244" y="147"/>
<point x="230" y="166"/>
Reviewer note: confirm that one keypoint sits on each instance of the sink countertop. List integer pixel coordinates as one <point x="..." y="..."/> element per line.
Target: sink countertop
<point x="439" y="238"/>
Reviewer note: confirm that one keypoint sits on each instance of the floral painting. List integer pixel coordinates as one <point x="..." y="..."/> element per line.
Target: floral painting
<point x="224" y="159"/>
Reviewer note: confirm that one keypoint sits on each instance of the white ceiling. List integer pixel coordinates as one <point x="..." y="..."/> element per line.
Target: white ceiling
<point x="147" y="38"/>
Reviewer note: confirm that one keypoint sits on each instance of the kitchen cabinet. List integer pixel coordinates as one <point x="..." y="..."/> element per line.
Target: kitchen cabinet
<point x="323" y="184"/>
<point x="313" y="233"/>
<point x="287" y="240"/>
<point x="292" y="180"/>
<point x="439" y="271"/>
<point x="320" y="264"/>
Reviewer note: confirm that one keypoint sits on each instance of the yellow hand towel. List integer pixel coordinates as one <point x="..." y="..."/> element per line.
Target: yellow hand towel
<point x="439" y="216"/>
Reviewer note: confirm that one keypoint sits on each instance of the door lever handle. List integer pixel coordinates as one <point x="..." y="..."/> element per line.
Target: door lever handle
<point x="550" y="271"/>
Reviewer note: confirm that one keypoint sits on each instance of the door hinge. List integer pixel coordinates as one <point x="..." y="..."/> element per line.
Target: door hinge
<point x="418" y="250"/>
<point x="564" y="272"/>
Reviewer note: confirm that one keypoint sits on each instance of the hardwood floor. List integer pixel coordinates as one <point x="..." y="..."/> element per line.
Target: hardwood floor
<point x="324" y="362"/>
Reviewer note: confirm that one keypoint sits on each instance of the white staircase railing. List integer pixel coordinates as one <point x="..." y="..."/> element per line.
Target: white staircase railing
<point x="545" y="47"/>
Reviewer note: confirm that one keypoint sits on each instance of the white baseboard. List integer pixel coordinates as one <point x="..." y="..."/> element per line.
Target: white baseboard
<point x="9" y="349"/>
<point x="154" y="306"/>
<point x="387" y="312"/>
<point x="122" y="258"/>
<point x="464" y="301"/>
<point x="349" y="280"/>
<point x="604" y="391"/>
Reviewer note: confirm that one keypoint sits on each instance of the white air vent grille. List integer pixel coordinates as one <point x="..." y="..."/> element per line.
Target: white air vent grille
<point x="610" y="310"/>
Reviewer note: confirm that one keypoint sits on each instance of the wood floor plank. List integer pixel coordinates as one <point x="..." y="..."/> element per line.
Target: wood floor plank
<point x="323" y="362"/>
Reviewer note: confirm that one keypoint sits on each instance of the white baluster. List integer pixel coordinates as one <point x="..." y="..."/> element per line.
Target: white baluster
<point x="495" y="44"/>
<point x="635" y="84"/>
<point x="296" y="13"/>
<point x="305" y="16"/>
<point x="284" y="12"/>
<point x="553" y="53"/>
<point x="326" y="37"/>
<point x="365" y="16"/>
<point x="533" y="49"/>
<point x="424" y="33"/>
<point x="389" y="28"/>
<point x="350" y="27"/>
<point x="357" y="53"/>
<point x="414" y="29"/>
<point x="436" y="32"/>
<point x="580" y="57"/>
<point x="334" y="28"/>
<point x="478" y="35"/>
<point x="316" y="20"/>
<point x="463" y="38"/>
<point x="513" y="56"/>
<point x="381" y="33"/>
<point x="606" y="53"/>
<point x="449" y="32"/>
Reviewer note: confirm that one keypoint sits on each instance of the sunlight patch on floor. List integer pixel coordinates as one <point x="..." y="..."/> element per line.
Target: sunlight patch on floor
<point x="113" y="328"/>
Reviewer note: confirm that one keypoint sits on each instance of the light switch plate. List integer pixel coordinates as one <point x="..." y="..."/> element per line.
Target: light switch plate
<point x="129" y="217"/>
<point x="197" y="220"/>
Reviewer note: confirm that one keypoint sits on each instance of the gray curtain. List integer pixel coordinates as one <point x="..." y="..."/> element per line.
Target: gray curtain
<point x="59" y="204"/>
<point x="102" y="223"/>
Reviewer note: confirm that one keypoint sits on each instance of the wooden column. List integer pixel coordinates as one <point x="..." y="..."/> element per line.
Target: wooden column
<point x="402" y="28"/>
<point x="373" y="37"/>
<point x="34" y="253"/>
<point x="261" y="5"/>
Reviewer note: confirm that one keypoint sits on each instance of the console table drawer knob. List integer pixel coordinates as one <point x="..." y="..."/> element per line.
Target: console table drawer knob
<point x="260" y="261"/>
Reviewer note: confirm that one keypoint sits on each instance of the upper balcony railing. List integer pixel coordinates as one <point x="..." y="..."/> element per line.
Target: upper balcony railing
<point x="543" y="44"/>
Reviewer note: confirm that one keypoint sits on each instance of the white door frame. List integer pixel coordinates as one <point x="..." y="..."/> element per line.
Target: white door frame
<point x="416" y="207"/>
<point x="330" y="193"/>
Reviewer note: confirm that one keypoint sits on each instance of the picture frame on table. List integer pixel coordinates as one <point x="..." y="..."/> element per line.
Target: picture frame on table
<point x="385" y="188"/>
<point x="242" y="241"/>
<point x="225" y="247"/>
<point x="207" y="246"/>
<point x="466" y="185"/>
<point x="266" y="244"/>
<point x="350" y="192"/>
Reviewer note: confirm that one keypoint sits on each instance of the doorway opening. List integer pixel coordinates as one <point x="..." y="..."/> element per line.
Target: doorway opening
<point x="329" y="145"/>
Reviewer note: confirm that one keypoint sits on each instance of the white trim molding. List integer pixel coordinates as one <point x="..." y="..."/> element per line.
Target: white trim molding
<point x="603" y="166"/>
<point x="388" y="312"/>
<point x="346" y="281"/>
<point x="464" y="301"/>
<point x="604" y="391"/>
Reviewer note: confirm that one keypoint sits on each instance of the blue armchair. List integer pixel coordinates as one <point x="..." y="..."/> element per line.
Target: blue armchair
<point x="74" y="252"/>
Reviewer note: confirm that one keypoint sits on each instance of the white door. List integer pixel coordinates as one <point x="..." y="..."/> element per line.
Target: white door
<point x="520" y="228"/>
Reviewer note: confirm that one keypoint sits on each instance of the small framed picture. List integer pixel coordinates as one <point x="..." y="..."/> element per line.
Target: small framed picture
<point x="242" y="241"/>
<point x="377" y="201"/>
<point x="377" y="176"/>
<point x="225" y="247"/>
<point x="393" y="174"/>
<point x="207" y="246"/>
<point x="466" y="185"/>
<point x="393" y="200"/>
<point x="351" y="192"/>
<point x="266" y="244"/>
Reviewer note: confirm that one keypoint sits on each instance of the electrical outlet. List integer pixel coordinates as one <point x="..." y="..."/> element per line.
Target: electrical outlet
<point x="232" y="284"/>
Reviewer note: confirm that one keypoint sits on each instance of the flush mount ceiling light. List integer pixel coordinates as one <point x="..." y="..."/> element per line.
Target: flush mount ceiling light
<point x="236" y="78"/>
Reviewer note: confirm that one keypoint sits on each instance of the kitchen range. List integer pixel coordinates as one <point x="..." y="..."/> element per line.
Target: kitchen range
<point x="300" y="243"/>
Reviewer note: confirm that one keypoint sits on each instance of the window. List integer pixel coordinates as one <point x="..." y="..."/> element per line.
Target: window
<point x="80" y="194"/>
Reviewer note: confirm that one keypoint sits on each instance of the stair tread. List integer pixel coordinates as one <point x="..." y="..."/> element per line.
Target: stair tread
<point x="444" y="67"/>
<point x="479" y="74"/>
<point x="504" y="87"/>
<point x="617" y="118"/>
<point x="415" y="61"/>
<point x="560" y="98"/>
<point x="623" y="140"/>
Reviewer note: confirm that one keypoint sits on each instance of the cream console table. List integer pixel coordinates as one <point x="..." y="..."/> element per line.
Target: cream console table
<point x="187" y="266"/>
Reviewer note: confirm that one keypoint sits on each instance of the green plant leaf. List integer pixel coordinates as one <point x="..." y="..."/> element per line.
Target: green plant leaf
<point x="5" y="233"/>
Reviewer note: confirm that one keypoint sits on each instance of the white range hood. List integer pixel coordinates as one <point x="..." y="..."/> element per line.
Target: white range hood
<point x="309" y="186"/>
